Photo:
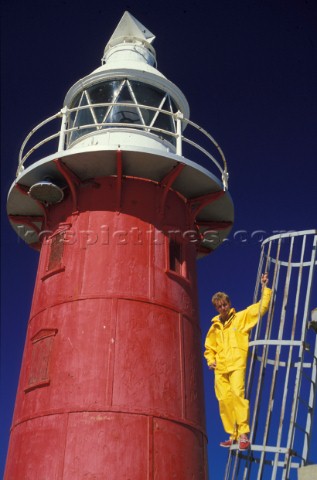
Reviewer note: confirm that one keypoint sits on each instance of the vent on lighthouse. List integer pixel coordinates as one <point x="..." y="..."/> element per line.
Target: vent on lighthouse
<point x="46" y="192"/>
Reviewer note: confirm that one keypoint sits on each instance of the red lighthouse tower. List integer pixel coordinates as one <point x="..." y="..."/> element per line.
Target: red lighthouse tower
<point x="111" y="382"/>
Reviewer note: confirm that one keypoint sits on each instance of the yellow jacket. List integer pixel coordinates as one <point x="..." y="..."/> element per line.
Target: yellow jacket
<point x="228" y="343"/>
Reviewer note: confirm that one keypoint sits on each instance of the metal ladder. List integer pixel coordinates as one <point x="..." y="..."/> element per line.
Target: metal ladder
<point x="282" y="370"/>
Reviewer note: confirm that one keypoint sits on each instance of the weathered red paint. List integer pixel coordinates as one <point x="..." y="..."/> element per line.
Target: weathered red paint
<point x="111" y="380"/>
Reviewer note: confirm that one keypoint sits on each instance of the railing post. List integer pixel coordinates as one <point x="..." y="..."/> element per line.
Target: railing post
<point x="225" y="176"/>
<point x="61" y="143"/>
<point x="179" y="117"/>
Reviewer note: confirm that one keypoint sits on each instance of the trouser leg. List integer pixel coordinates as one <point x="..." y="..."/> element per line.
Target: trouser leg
<point x="226" y="403"/>
<point x="241" y="404"/>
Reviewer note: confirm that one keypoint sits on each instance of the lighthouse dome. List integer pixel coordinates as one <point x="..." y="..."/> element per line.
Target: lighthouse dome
<point x="126" y="92"/>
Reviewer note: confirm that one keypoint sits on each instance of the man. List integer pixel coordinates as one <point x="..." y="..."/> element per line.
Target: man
<point x="226" y="353"/>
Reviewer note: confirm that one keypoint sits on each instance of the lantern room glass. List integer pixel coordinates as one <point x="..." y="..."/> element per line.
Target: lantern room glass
<point x="93" y="114"/>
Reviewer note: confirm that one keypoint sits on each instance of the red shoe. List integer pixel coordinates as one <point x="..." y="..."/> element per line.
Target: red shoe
<point x="227" y="443"/>
<point x="244" y="443"/>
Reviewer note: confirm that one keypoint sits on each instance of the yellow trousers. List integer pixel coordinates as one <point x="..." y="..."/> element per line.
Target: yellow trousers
<point x="233" y="407"/>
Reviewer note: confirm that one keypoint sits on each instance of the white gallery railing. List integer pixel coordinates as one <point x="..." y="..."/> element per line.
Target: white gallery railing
<point x="63" y="135"/>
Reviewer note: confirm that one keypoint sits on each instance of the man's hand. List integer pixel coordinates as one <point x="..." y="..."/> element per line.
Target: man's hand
<point x="212" y="366"/>
<point x="264" y="279"/>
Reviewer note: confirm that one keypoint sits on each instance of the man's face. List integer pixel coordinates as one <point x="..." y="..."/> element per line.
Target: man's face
<point x="223" y="308"/>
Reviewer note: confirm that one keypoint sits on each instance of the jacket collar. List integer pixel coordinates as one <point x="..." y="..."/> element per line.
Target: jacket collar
<point x="216" y="319"/>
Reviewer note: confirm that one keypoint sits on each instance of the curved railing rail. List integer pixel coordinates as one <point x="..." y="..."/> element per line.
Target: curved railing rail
<point x="63" y="135"/>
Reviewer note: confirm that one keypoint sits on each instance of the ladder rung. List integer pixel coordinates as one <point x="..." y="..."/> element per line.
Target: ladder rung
<point x="304" y="402"/>
<point x="296" y="425"/>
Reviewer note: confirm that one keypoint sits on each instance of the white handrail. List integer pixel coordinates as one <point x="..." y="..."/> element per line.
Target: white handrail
<point x="180" y="121"/>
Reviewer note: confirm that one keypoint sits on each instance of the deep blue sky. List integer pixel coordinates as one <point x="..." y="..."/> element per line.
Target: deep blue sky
<point x="249" y="72"/>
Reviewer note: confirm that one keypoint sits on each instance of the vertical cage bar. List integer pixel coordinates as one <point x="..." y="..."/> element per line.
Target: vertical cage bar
<point x="265" y="347"/>
<point x="313" y="383"/>
<point x="295" y="404"/>
<point x="276" y="364"/>
<point x="289" y="360"/>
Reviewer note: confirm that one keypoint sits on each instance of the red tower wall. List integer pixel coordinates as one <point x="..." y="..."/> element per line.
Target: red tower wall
<point x="111" y="380"/>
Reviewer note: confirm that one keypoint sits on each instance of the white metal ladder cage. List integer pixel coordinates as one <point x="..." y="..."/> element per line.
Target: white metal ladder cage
<point x="282" y="368"/>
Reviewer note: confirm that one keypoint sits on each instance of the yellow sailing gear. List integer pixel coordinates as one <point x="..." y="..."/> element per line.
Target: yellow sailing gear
<point x="227" y="344"/>
<point x="233" y="407"/>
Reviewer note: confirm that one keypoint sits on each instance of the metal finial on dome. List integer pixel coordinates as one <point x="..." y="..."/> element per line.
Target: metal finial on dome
<point x="130" y="35"/>
<point x="129" y="26"/>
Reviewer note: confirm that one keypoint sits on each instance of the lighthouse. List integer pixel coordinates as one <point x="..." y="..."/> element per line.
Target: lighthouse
<point x="111" y="378"/>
